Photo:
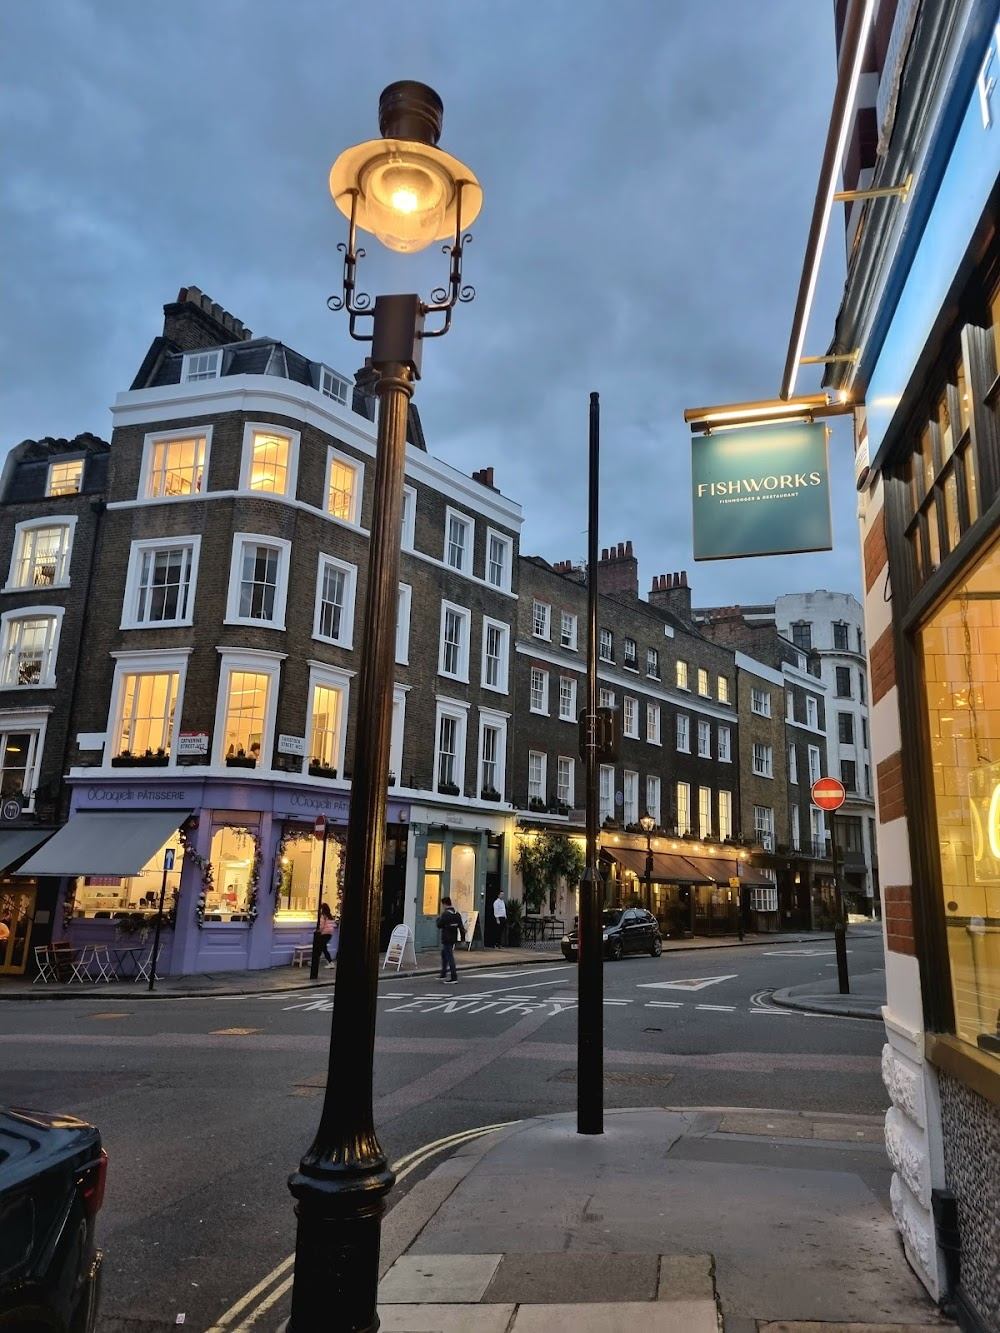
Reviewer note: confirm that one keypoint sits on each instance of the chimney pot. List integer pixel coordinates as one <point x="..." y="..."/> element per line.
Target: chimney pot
<point x="604" y="553"/>
<point x="628" y="548"/>
<point x="684" y="578"/>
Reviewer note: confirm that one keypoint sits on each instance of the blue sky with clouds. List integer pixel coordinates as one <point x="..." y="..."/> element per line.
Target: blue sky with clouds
<point x="649" y="170"/>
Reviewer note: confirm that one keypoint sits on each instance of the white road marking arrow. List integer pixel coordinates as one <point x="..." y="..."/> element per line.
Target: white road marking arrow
<point x="687" y="983"/>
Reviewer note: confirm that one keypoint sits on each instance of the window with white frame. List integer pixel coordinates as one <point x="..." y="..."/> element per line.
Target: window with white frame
<point x="682" y="675"/>
<point x="499" y="551"/>
<point x="606" y="792"/>
<point x="567" y="631"/>
<point x="408" y="526"/>
<point x="334" y="615"/>
<point x="496" y="638"/>
<point x="539" y="690"/>
<point x="704" y="739"/>
<point x="763" y="764"/>
<point x="605" y="698"/>
<point x="653" y="663"/>
<point x="764" y="897"/>
<point x="458" y="541"/>
<point x="159" y="585"/>
<point x="814" y="764"/>
<point x="344" y="484"/>
<point x="703" y="686"/>
<point x="41" y="554"/>
<point x="269" y="460"/>
<point x="630" y="717"/>
<point x="653" y="797"/>
<point x="722" y="689"/>
<point x="29" y="640"/>
<point x="724" y="742"/>
<point x="145" y="703"/>
<point x="565" y="781"/>
<point x="789" y="705"/>
<point x="453" y="654"/>
<point x="332" y="385"/>
<point x="760" y="701"/>
<point x="567" y="698"/>
<point x="630" y="793"/>
<point x="812" y="711"/>
<point x="793" y="763"/>
<point x="449" y="757"/>
<point x="21" y="742"/>
<point x="258" y="580"/>
<point x="683" y="807"/>
<point x="653" y="723"/>
<point x="630" y="655"/>
<point x="492" y="755"/>
<point x="174" y="464"/>
<point x="725" y="801"/>
<point x="817" y="830"/>
<point x="537" y="761"/>
<point x="399" y="693"/>
<point x="403" y="624"/>
<point x="606" y="646"/>
<point x="704" y="812"/>
<point x="201" y="366"/>
<point x="541" y="619"/>
<point x="327" y="718"/>
<point x="796" y="831"/>
<point x="65" y="478"/>
<point x="763" y="826"/>
<point x="248" y="691"/>
<point x="683" y="733"/>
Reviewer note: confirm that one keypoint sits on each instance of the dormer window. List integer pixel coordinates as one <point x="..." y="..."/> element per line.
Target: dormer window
<point x="65" y="478"/>
<point x="332" y="385"/>
<point x="202" y="366"/>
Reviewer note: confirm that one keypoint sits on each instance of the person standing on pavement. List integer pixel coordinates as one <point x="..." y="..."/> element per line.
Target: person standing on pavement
<point x="451" y="925"/>
<point x="325" y="932"/>
<point x="499" y="921"/>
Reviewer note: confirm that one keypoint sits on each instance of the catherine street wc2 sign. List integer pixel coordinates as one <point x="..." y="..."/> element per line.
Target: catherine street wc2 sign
<point x="761" y="490"/>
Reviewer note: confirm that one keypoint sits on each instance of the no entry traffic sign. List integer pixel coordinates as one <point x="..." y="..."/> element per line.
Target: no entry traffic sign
<point x="828" y="793"/>
<point x="319" y="828"/>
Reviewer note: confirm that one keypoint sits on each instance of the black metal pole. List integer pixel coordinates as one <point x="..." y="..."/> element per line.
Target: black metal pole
<point x="590" y="945"/>
<point x="342" y="1181"/>
<point x="314" y="963"/>
<point x="159" y="924"/>
<point x="649" y="872"/>
<point x="840" y="925"/>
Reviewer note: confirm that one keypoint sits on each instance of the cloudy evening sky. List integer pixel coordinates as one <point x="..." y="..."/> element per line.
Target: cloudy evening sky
<point x="649" y="168"/>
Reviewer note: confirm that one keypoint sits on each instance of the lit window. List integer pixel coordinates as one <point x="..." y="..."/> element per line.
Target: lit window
<point x="29" y="648"/>
<point x="682" y="675"/>
<point x="246" y="714"/>
<point x="606" y="646"/>
<point x="453" y="657"/>
<point x="567" y="631"/>
<point x="458" y="542"/>
<point x="703" y="688"/>
<point x="332" y="385"/>
<point x="202" y="366"/>
<point x="335" y="602"/>
<point x="343" y="487"/>
<point x="722" y="693"/>
<point x="65" y="478"/>
<point x="536" y="776"/>
<point x="539" y="690"/>
<point x="630" y="716"/>
<point x="653" y="798"/>
<point x="725" y="799"/>
<point x="653" y="723"/>
<point x="565" y="773"/>
<point x="498" y="561"/>
<point x="41" y="557"/>
<point x="653" y="663"/>
<point x="704" y="739"/>
<point x="175" y="466"/>
<point x="160" y="582"/>
<point x="630" y="794"/>
<point x="683" y="733"/>
<point x="541" y="614"/>
<point x="567" y="698"/>
<point x="146" y="713"/>
<point x="20" y="753"/>
<point x="704" y="812"/>
<point x="724" y="742"/>
<point x="762" y="760"/>
<point x="760" y="702"/>
<point x="325" y="723"/>
<point x="683" y="807"/>
<point x="495" y="636"/>
<point x="267" y="462"/>
<point x="234" y="849"/>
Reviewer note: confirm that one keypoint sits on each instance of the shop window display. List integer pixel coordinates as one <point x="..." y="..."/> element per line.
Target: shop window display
<point x="232" y="893"/>
<point x="300" y="859"/>
<point x="960" y="648"/>
<point x="104" y="896"/>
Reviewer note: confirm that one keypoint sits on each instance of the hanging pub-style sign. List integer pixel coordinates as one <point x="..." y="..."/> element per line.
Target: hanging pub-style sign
<point x="761" y="490"/>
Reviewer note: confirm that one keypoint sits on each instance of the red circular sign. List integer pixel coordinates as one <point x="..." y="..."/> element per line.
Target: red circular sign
<point x="828" y="794"/>
<point x="319" y="828"/>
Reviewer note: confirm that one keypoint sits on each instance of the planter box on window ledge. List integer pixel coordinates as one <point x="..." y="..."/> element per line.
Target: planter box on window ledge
<point x="489" y="794"/>
<point x="536" y="804"/>
<point x="240" y="761"/>
<point x="448" y="789"/>
<point x="558" y="809"/>
<point x="318" y="770"/>
<point x="148" y="760"/>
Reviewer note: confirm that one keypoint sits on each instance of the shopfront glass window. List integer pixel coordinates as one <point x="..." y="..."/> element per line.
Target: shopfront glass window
<point x="300" y="863"/>
<point x="433" y="878"/>
<point x="111" y="896"/>
<point x="234" y="850"/>
<point x="959" y="647"/>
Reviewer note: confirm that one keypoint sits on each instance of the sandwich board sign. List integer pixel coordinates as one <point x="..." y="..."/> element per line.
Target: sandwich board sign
<point x="400" y="943"/>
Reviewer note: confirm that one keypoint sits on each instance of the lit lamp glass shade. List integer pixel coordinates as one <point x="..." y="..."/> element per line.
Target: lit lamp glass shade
<point x="407" y="192"/>
<point x="647" y="823"/>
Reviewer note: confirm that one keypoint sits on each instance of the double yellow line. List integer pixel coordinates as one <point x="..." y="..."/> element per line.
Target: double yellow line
<point x="247" y="1313"/>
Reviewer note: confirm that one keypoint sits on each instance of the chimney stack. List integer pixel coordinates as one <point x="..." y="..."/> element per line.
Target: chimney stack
<point x="485" y="478"/>
<point x="194" y="321"/>
<point x="618" y="572"/>
<point x="670" y="592"/>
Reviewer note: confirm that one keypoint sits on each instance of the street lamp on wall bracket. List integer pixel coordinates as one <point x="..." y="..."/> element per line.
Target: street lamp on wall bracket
<point x="408" y="193"/>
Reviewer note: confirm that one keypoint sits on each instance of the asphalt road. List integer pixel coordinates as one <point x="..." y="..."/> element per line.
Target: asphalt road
<point x="206" y="1104"/>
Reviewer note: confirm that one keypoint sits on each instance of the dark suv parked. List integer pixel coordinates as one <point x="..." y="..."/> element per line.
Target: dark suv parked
<point x="52" y="1170"/>
<point x="633" y="930"/>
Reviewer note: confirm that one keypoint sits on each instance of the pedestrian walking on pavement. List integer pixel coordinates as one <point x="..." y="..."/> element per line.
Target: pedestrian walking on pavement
<point x="451" y="925"/>
<point x="499" y="921"/>
<point x="325" y="932"/>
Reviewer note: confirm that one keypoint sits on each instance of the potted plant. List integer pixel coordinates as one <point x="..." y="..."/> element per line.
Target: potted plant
<point x="515" y="921"/>
<point x="489" y="794"/>
<point x="317" y="769"/>
<point x="241" y="759"/>
<point x="536" y="803"/>
<point x="149" y="759"/>
<point x="448" y="789"/>
<point x="136" y="924"/>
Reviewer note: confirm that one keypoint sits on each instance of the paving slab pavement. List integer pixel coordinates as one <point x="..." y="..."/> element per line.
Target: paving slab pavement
<point x="865" y="1000"/>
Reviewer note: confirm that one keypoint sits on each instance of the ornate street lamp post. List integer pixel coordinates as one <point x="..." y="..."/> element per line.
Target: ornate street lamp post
<point x="647" y="824"/>
<point x="409" y="193"/>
